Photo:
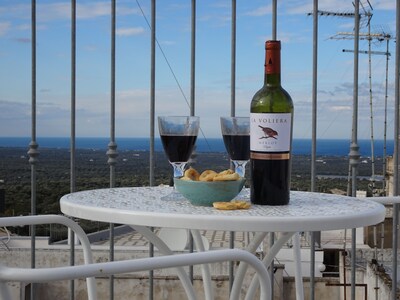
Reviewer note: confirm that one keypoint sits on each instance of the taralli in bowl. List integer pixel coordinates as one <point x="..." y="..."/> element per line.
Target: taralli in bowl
<point x="210" y="175"/>
<point x="226" y="175"/>
<point x="191" y="174"/>
<point x="210" y="187"/>
<point x="207" y="175"/>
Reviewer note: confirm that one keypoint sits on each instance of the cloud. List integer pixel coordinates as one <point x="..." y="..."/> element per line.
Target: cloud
<point x="93" y="10"/>
<point x="10" y="110"/>
<point x="14" y="118"/>
<point x="340" y="108"/>
<point x="4" y="27"/>
<point x="24" y="27"/>
<point x="385" y="4"/>
<point x="62" y="10"/>
<point x="23" y="40"/>
<point x="167" y="43"/>
<point x="300" y="7"/>
<point x="129" y="31"/>
<point x="132" y="102"/>
<point x="260" y="11"/>
<point x="90" y="48"/>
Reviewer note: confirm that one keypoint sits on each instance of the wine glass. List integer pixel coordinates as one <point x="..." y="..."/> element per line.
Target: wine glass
<point x="236" y="135"/>
<point x="178" y="137"/>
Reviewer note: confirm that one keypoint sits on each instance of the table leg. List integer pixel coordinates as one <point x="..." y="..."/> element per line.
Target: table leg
<point x="273" y="251"/>
<point x="205" y="268"/>
<point x="241" y="271"/>
<point x="298" y="274"/>
<point x="163" y="248"/>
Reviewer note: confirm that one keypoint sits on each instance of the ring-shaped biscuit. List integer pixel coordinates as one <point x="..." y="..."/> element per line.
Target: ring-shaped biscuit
<point x="207" y="175"/>
<point x="226" y="176"/>
<point x="192" y="174"/>
<point x="226" y="172"/>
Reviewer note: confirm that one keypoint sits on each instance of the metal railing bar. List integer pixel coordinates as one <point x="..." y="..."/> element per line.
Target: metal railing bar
<point x="314" y="96"/>
<point x="354" y="155"/>
<point x="272" y="234"/>
<point x="152" y="115"/>
<point x="396" y="157"/>
<point x="192" y="95"/>
<point x="152" y="85"/>
<point x="112" y="146"/>
<point x="233" y="113"/>
<point x="33" y="152"/>
<point x="314" y="139"/>
<point x="385" y="117"/>
<point x="73" y="134"/>
<point x="233" y="59"/>
<point x="73" y="97"/>
<point x="193" y="59"/>
<point x="274" y="19"/>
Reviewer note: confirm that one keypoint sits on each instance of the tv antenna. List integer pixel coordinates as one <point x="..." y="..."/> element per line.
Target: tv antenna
<point x="365" y="21"/>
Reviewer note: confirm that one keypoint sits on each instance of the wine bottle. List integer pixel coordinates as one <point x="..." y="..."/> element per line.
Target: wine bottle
<point x="271" y="122"/>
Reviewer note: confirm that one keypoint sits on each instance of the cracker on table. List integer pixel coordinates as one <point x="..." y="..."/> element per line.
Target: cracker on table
<point x="240" y="204"/>
<point x="233" y="205"/>
<point x="224" y="205"/>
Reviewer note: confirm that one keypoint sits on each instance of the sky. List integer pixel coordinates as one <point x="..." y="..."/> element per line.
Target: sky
<point x="212" y="72"/>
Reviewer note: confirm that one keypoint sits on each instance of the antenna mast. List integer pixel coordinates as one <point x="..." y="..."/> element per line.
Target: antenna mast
<point x="365" y="18"/>
<point x="379" y="37"/>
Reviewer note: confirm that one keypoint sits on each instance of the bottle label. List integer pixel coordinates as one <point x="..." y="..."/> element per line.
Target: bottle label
<point x="270" y="132"/>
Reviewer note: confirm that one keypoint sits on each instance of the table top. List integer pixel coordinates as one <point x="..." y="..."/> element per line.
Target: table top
<point x="143" y="206"/>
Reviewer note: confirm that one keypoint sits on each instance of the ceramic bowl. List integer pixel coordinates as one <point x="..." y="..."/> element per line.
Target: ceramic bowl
<point x="204" y="193"/>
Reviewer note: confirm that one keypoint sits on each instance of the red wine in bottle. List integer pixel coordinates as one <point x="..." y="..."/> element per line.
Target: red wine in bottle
<point x="271" y="123"/>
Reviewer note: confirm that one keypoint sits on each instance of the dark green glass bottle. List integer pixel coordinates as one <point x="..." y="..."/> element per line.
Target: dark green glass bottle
<point x="271" y="123"/>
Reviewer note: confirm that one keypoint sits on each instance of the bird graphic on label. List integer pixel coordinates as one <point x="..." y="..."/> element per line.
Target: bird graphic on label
<point x="268" y="133"/>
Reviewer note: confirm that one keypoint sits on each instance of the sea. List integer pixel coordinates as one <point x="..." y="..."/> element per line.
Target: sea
<point x="325" y="147"/>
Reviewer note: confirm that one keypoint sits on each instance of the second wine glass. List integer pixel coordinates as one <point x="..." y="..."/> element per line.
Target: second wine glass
<point x="236" y="135"/>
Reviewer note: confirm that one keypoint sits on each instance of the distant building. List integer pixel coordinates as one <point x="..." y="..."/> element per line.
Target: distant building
<point x="389" y="176"/>
<point x="386" y="231"/>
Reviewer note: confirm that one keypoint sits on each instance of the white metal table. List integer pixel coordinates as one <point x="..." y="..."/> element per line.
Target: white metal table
<point x="142" y="207"/>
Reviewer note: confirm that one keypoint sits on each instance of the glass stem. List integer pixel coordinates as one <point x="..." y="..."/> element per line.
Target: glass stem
<point x="240" y="167"/>
<point x="179" y="168"/>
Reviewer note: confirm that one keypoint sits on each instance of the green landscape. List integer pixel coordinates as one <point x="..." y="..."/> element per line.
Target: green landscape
<point x="132" y="169"/>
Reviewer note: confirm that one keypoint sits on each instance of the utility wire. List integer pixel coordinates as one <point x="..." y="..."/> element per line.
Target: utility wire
<point x="172" y="71"/>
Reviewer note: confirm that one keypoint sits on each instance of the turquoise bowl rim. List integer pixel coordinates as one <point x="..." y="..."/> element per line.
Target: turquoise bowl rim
<point x="209" y="190"/>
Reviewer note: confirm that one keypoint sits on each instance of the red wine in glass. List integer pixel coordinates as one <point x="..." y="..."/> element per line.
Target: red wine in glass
<point x="178" y="147"/>
<point x="237" y="146"/>
<point x="236" y="135"/>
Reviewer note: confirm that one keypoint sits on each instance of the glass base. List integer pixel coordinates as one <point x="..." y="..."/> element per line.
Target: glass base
<point x="243" y="195"/>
